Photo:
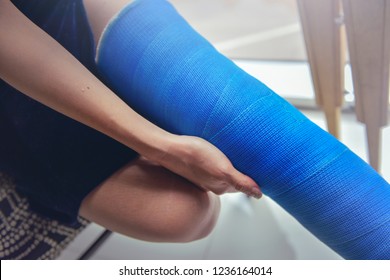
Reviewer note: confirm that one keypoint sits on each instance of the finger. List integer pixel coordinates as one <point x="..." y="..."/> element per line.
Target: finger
<point x="245" y="184"/>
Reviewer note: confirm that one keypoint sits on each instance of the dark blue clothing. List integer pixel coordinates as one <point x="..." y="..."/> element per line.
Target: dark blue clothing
<point x="53" y="159"/>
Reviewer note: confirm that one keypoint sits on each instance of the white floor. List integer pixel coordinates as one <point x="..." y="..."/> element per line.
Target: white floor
<point x="247" y="228"/>
<point x="248" y="29"/>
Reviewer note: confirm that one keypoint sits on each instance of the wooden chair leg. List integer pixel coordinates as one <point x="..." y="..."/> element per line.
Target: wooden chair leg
<point x="325" y="45"/>
<point x="374" y="143"/>
<point x="368" y="33"/>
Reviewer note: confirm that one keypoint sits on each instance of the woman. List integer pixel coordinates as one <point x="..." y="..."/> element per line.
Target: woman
<point x="154" y="60"/>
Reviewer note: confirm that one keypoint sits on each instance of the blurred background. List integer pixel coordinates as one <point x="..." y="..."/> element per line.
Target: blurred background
<point x="265" y="38"/>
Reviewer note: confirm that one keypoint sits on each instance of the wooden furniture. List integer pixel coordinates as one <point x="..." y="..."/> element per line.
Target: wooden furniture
<point x="367" y="26"/>
<point x="326" y="53"/>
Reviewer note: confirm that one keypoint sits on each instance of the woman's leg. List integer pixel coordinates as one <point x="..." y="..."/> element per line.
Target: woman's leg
<point x="147" y="202"/>
<point x="100" y="12"/>
<point x="153" y="59"/>
<point x="143" y="200"/>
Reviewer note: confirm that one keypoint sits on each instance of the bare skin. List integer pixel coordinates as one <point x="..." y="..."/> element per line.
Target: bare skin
<point x="148" y="202"/>
<point x="161" y="198"/>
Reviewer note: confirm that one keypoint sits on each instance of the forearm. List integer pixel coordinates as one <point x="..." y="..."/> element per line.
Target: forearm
<point x="38" y="66"/>
<point x="35" y="64"/>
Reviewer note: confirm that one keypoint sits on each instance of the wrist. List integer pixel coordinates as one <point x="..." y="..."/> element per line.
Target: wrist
<point x="168" y="150"/>
<point x="178" y="153"/>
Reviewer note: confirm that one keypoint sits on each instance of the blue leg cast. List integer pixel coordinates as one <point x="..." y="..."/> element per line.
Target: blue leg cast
<point x="162" y="68"/>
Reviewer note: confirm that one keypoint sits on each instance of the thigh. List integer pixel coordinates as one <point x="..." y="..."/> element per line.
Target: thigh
<point x="99" y="13"/>
<point x="148" y="202"/>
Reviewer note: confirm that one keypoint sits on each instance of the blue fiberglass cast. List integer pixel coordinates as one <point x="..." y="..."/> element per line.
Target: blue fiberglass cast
<point x="166" y="71"/>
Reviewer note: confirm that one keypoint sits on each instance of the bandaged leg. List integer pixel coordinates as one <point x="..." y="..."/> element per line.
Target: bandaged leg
<point x="167" y="72"/>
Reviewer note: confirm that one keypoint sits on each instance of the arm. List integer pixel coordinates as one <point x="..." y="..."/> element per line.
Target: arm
<point x="46" y="72"/>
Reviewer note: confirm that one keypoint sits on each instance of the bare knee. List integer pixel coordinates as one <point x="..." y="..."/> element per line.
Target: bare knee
<point x="186" y="217"/>
<point x="185" y="213"/>
<point x="193" y="218"/>
<point x="147" y="202"/>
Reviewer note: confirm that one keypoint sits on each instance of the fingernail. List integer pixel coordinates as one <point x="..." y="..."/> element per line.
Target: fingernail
<point x="256" y="190"/>
<point x="257" y="194"/>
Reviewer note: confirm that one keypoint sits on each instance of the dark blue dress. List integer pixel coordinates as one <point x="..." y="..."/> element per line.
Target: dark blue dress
<point x="53" y="159"/>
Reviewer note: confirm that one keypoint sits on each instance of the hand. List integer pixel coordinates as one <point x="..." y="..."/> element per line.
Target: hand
<point x="206" y="166"/>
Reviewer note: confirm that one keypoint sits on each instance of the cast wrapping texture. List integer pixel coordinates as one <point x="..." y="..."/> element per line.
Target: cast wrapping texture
<point x="153" y="59"/>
